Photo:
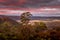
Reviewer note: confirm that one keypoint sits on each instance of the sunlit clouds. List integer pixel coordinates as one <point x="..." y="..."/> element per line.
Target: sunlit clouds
<point x="36" y="7"/>
<point x="35" y="12"/>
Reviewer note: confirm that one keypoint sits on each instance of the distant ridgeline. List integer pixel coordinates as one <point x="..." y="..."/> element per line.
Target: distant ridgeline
<point x="4" y="19"/>
<point x="35" y="18"/>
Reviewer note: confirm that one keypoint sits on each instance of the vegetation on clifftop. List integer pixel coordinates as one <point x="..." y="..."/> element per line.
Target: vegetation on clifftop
<point x="11" y="30"/>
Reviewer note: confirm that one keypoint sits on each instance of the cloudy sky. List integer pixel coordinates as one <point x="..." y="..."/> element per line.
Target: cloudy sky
<point x="36" y="7"/>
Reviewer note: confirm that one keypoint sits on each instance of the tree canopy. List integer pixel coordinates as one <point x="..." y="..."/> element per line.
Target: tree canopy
<point x="25" y="17"/>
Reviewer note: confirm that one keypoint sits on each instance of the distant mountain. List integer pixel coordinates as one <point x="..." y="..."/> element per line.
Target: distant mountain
<point x="7" y="19"/>
<point x="14" y="18"/>
<point x="34" y="18"/>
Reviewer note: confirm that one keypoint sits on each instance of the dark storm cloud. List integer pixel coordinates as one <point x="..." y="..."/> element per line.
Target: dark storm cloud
<point x="39" y="3"/>
<point x="29" y="3"/>
<point x="12" y="3"/>
<point x="55" y="2"/>
<point x="9" y="2"/>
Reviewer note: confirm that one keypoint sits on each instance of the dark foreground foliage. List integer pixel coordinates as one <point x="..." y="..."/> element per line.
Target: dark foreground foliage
<point x="11" y="30"/>
<point x="39" y="31"/>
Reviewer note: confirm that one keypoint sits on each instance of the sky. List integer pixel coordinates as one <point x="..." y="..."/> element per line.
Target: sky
<point x="36" y="7"/>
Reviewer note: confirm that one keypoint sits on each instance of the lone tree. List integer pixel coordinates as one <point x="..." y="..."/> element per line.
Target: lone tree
<point x="25" y="17"/>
